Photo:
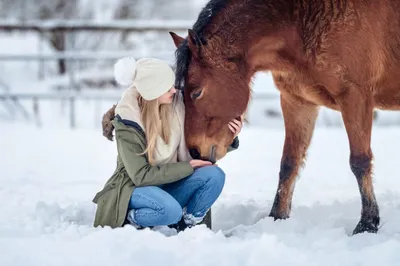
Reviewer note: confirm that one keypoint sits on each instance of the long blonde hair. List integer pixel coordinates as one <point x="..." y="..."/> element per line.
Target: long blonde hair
<point x="156" y="119"/>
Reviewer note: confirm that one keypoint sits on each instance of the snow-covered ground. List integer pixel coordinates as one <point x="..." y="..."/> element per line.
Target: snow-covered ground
<point x="48" y="178"/>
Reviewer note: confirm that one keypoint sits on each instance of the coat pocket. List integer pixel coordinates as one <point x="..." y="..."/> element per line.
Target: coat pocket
<point x="103" y="191"/>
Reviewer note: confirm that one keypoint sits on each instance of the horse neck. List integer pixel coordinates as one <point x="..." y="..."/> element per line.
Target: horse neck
<point x="278" y="43"/>
<point x="256" y="27"/>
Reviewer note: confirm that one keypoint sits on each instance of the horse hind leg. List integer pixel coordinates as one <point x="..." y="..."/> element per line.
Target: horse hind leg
<point x="362" y="169"/>
<point x="299" y="119"/>
<point x="357" y="113"/>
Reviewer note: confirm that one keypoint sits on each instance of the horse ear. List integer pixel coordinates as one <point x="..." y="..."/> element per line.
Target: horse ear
<point x="192" y="44"/>
<point x="176" y="38"/>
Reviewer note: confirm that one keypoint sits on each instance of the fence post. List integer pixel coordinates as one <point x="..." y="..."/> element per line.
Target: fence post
<point x="72" y="111"/>
<point x="41" y="65"/>
<point x="36" y="111"/>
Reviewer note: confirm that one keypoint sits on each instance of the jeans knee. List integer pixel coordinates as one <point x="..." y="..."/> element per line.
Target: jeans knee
<point x="172" y="212"/>
<point x="217" y="177"/>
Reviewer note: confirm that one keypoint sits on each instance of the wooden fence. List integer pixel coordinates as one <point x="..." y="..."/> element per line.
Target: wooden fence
<point x="63" y="28"/>
<point x="32" y="114"/>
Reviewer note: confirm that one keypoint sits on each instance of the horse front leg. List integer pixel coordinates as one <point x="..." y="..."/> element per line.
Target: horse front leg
<point x="299" y="120"/>
<point x="357" y="113"/>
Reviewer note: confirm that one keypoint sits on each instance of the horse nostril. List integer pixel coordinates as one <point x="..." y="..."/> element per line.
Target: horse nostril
<point x="194" y="153"/>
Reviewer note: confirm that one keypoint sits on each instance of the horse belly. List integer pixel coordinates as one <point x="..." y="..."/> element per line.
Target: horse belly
<point x="387" y="99"/>
<point x="319" y="95"/>
<point x="305" y="89"/>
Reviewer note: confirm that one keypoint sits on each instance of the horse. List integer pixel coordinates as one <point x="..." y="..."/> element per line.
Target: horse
<point x="340" y="54"/>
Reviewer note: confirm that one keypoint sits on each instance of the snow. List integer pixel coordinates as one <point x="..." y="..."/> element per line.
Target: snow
<point x="49" y="176"/>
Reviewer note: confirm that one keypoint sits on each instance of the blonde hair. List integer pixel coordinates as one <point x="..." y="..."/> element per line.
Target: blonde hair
<point x="156" y="119"/>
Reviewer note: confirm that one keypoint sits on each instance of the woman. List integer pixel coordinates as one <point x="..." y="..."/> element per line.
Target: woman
<point x="156" y="182"/>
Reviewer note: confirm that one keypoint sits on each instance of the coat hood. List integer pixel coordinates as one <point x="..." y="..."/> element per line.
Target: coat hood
<point x="128" y="109"/>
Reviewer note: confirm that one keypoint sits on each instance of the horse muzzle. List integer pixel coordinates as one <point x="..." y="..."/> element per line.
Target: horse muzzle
<point x="212" y="156"/>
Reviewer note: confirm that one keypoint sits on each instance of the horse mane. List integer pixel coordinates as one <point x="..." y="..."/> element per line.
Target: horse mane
<point x="206" y="15"/>
<point x="183" y="54"/>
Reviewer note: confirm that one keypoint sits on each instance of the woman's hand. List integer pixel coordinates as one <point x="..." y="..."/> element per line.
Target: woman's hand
<point x="199" y="163"/>
<point x="235" y="126"/>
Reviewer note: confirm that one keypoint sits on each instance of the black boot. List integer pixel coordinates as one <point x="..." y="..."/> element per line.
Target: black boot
<point x="180" y="226"/>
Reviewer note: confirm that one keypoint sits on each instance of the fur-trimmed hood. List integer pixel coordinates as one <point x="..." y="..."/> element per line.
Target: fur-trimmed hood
<point x="128" y="109"/>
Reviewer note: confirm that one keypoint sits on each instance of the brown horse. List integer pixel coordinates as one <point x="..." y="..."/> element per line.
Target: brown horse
<point x="341" y="54"/>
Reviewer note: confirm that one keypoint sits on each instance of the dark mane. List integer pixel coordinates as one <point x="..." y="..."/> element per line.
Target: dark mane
<point x="183" y="53"/>
<point x="206" y="15"/>
<point x="182" y="57"/>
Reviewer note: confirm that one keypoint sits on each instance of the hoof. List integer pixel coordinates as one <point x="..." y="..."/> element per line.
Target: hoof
<point x="367" y="226"/>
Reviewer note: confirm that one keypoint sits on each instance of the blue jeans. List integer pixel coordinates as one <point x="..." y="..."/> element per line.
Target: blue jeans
<point x="190" y="197"/>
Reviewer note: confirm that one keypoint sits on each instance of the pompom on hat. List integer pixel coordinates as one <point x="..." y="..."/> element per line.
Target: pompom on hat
<point x="152" y="77"/>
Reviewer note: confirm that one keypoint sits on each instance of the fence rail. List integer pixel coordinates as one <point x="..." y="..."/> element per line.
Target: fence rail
<point x="63" y="27"/>
<point x="59" y="96"/>
<point x="12" y="101"/>
<point x="75" y="55"/>
<point x="89" y="25"/>
<point x="71" y="99"/>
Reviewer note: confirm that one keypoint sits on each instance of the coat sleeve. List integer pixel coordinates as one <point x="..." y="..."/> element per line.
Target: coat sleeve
<point x="137" y="166"/>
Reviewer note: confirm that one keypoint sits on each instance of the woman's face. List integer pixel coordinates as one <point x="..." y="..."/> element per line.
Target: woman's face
<point x="167" y="97"/>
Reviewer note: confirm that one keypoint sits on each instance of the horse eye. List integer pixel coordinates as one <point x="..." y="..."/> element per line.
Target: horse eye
<point x="196" y="94"/>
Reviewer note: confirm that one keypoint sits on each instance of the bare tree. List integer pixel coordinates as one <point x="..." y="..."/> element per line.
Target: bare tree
<point x="60" y="9"/>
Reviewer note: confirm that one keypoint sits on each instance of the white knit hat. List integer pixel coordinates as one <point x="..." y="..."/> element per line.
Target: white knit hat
<point x="152" y="77"/>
